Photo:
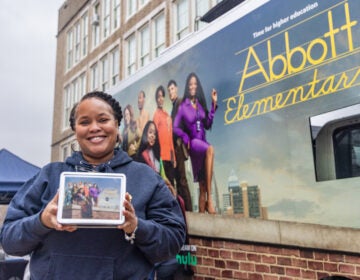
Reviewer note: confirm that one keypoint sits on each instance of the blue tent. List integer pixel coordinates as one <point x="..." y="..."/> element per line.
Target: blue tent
<point x="14" y="171"/>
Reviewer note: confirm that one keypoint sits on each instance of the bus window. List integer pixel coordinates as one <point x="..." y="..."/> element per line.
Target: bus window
<point x="347" y="151"/>
<point x="336" y="143"/>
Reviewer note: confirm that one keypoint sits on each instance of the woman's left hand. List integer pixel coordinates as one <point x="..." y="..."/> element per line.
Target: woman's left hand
<point x="131" y="221"/>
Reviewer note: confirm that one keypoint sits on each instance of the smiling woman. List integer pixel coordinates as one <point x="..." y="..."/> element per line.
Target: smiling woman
<point x="154" y="228"/>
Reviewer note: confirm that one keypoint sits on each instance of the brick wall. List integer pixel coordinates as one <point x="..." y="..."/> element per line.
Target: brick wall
<point x="223" y="259"/>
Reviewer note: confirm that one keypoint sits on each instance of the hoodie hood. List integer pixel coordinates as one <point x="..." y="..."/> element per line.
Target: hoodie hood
<point x="79" y="164"/>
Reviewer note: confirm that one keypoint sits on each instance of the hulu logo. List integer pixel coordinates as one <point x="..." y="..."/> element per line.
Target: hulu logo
<point x="186" y="259"/>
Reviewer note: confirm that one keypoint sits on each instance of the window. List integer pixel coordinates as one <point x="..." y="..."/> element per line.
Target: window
<point x="104" y="73"/>
<point x="347" y="151"/>
<point x="336" y="143"/>
<point x="159" y="34"/>
<point x="77" y="42"/>
<point x="131" y="7"/>
<point x="115" y="65"/>
<point x="69" y="50"/>
<point x="68" y="102"/>
<point x="106" y="18"/>
<point x="182" y="19"/>
<point x="116" y="14"/>
<point x="131" y="55"/>
<point x="85" y="34"/>
<point x="202" y="6"/>
<point x="82" y="86"/>
<point x="144" y="46"/>
<point x="94" y="77"/>
<point x="96" y="26"/>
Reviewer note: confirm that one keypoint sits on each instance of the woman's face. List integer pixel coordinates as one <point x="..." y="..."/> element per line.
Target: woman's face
<point x="96" y="130"/>
<point x="192" y="86"/>
<point x="151" y="135"/>
<point x="127" y="116"/>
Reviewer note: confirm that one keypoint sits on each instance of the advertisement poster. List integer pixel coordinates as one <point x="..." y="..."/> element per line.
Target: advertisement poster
<point x="277" y="70"/>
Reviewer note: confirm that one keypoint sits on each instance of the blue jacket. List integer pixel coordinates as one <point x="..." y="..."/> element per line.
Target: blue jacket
<point x="94" y="253"/>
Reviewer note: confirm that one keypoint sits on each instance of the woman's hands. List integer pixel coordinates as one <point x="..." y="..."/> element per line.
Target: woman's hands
<point x="131" y="221"/>
<point x="48" y="216"/>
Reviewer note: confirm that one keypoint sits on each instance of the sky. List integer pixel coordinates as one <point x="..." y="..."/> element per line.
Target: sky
<point x="27" y="74"/>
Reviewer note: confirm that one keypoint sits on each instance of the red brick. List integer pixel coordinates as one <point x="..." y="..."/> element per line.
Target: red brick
<point x="215" y="272"/>
<point x="213" y="253"/>
<point x="239" y="256"/>
<point x="255" y="276"/>
<point x="352" y="259"/>
<point x="336" y="258"/>
<point x="207" y="242"/>
<point x="275" y="251"/>
<point x="253" y="257"/>
<point x="293" y="272"/>
<point x="321" y="275"/>
<point x="206" y="261"/>
<point x="232" y="265"/>
<point x="227" y="274"/>
<point x="233" y="246"/>
<point x="202" y="270"/>
<point x="321" y="256"/>
<point x="247" y="266"/>
<point x="246" y="247"/>
<point x="299" y="263"/>
<point x="345" y="268"/>
<point x="218" y="244"/>
<point x="291" y="252"/>
<point x="308" y="274"/>
<point x="307" y="254"/>
<point x="220" y="264"/>
<point x="268" y="259"/>
<point x="330" y="267"/>
<point x="262" y="268"/>
<point x="283" y="261"/>
<point x="270" y="277"/>
<point x="262" y="249"/>
<point x="277" y="270"/>
<point x="240" y="275"/>
<point x="313" y="265"/>
<point x="225" y="254"/>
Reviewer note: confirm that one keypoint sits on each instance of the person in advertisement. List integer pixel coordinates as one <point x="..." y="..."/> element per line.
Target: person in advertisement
<point x="131" y="134"/>
<point x="181" y="153"/>
<point x="164" y="127"/>
<point x="191" y="122"/>
<point x="144" y="115"/>
<point x="154" y="229"/>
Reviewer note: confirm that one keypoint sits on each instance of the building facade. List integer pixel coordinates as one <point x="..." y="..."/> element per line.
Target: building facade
<point x="101" y="42"/>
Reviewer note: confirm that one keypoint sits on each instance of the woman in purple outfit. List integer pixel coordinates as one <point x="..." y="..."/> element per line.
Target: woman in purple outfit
<point x="190" y="123"/>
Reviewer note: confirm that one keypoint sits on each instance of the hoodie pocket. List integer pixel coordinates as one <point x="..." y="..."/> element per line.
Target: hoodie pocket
<point x="80" y="267"/>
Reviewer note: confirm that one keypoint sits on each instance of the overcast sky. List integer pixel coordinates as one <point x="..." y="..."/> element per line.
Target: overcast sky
<point x="27" y="73"/>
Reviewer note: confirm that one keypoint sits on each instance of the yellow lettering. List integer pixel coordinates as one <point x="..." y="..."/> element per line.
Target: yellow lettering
<point x="259" y="70"/>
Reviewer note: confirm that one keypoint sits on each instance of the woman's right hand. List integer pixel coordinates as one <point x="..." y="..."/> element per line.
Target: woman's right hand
<point x="48" y="216"/>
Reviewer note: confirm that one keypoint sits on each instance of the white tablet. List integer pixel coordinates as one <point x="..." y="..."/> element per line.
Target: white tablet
<point x="89" y="199"/>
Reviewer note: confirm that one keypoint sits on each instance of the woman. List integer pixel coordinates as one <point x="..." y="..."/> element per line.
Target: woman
<point x="131" y="134"/>
<point x="190" y="123"/>
<point x="153" y="230"/>
<point x="149" y="152"/>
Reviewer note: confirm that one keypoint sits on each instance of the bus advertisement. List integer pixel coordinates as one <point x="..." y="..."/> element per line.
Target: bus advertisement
<point x="286" y="131"/>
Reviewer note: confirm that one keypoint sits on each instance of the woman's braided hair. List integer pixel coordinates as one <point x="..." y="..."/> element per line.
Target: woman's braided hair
<point x="114" y="104"/>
